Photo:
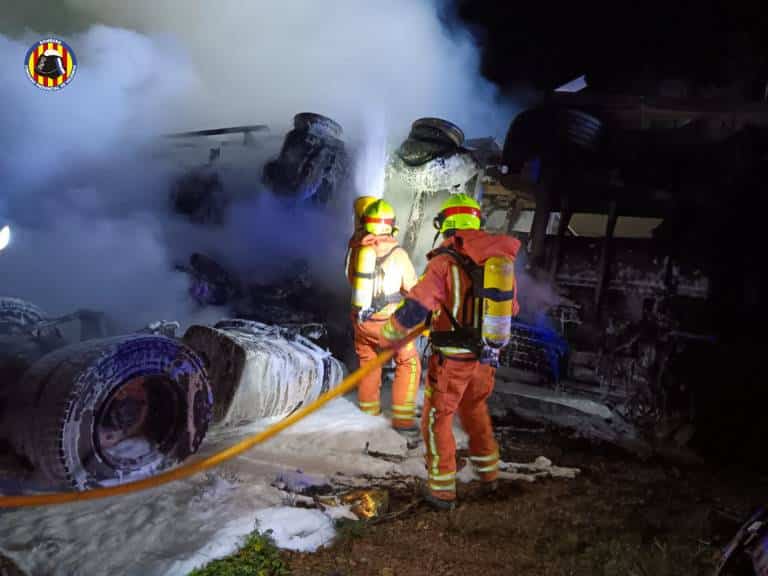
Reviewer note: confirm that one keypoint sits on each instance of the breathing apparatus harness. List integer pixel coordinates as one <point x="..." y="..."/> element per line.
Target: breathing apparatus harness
<point x="378" y="300"/>
<point x="480" y="331"/>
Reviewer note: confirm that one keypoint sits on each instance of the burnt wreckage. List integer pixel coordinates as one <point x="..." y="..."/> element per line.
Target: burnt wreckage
<point x="313" y="162"/>
<point x="614" y="200"/>
<point x="312" y="169"/>
<point x="313" y="165"/>
<point x="633" y="314"/>
<point x="643" y="316"/>
<point x="629" y="308"/>
<point x="80" y="408"/>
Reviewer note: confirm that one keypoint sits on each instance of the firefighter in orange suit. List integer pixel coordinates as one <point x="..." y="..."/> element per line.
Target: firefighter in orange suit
<point x="380" y="272"/>
<point x="465" y="341"/>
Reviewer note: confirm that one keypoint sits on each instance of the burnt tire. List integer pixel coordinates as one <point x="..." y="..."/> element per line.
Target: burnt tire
<point x="71" y="399"/>
<point x="582" y="129"/>
<point x="17" y="348"/>
<point x="17" y="315"/>
<point x="323" y="124"/>
<point x="539" y="131"/>
<point x="437" y="129"/>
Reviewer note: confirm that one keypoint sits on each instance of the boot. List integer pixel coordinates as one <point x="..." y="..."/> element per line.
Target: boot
<point x="434" y="501"/>
<point x="409" y="432"/>
<point x="412" y="436"/>
<point x="490" y="488"/>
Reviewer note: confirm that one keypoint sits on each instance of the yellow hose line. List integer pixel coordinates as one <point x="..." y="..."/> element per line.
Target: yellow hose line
<point x="192" y="468"/>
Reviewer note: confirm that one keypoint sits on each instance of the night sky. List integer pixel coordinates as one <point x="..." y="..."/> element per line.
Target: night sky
<point x="628" y="45"/>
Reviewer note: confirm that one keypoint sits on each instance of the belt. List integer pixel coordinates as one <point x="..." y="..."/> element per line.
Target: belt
<point x="450" y="354"/>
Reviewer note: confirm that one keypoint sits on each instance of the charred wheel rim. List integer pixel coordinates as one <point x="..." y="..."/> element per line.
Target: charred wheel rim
<point x="437" y="129"/>
<point x="143" y="405"/>
<point x="139" y="422"/>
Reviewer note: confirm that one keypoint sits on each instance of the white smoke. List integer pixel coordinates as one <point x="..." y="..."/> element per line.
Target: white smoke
<point x="535" y="296"/>
<point x="265" y="60"/>
<point x="84" y="199"/>
<point x="372" y="158"/>
<point x="88" y="202"/>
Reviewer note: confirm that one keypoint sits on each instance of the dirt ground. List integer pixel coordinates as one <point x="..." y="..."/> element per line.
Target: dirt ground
<point x="620" y="517"/>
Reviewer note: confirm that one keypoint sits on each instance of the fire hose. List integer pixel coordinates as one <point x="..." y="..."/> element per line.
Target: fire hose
<point x="192" y="468"/>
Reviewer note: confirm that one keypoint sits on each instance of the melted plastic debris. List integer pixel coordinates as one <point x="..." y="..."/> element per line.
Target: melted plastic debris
<point x="367" y="503"/>
<point x="298" y="482"/>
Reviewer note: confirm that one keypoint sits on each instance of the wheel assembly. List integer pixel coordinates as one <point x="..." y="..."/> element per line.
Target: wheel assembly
<point x="111" y="411"/>
<point x="313" y="164"/>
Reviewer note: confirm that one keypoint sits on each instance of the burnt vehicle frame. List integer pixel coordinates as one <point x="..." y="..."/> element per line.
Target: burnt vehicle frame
<point x="642" y="316"/>
<point x="313" y="166"/>
<point x="635" y="319"/>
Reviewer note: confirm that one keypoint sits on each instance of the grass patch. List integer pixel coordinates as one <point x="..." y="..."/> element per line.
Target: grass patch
<point x="258" y="556"/>
<point x="347" y="529"/>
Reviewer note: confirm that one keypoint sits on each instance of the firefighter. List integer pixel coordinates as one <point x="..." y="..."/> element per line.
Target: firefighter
<point x="468" y="290"/>
<point x="380" y="272"/>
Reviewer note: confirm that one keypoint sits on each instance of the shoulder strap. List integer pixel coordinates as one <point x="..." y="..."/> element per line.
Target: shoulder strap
<point x="454" y="322"/>
<point x="381" y="259"/>
<point x="469" y="266"/>
<point x="464" y="261"/>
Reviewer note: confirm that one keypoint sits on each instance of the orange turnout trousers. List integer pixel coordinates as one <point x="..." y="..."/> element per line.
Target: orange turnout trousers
<point x="406" y="382"/>
<point x="457" y="385"/>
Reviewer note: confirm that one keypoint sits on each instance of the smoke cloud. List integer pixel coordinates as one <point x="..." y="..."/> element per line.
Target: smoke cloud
<point x="536" y="297"/>
<point x="83" y="198"/>
<point x="264" y="60"/>
<point x="86" y="193"/>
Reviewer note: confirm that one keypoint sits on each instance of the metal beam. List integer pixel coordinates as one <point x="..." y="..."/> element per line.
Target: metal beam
<point x="539" y="227"/>
<point x="605" y="258"/>
<point x="563" y="225"/>
<point x="247" y="132"/>
<point x="697" y="108"/>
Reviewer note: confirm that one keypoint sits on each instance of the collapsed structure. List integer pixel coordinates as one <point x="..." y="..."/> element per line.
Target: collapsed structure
<point x="85" y="407"/>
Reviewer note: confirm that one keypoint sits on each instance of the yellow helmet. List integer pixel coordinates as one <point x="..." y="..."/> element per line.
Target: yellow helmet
<point x="458" y="212"/>
<point x="379" y="218"/>
<point x="361" y="203"/>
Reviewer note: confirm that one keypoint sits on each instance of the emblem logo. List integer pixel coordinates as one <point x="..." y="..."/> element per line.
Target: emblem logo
<point x="50" y="64"/>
